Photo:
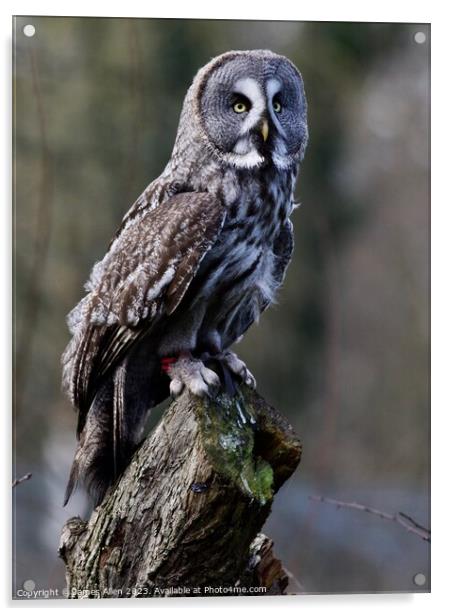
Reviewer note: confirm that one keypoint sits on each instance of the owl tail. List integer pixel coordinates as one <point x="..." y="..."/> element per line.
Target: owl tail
<point x="114" y="426"/>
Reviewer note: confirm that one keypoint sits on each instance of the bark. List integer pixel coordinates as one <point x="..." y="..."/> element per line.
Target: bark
<point x="184" y="517"/>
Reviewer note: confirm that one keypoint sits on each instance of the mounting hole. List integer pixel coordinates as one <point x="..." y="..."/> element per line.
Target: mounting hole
<point x="29" y="30"/>
<point x="29" y="585"/>
<point x="419" y="579"/>
<point x="420" y="38"/>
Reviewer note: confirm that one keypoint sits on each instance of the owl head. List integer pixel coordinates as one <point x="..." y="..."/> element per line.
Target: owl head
<point x="251" y="109"/>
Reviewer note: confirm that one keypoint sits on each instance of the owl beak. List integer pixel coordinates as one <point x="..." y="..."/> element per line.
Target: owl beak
<point x="265" y="130"/>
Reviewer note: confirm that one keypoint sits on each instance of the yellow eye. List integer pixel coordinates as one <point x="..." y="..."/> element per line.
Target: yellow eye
<point x="277" y="106"/>
<point x="240" y="107"/>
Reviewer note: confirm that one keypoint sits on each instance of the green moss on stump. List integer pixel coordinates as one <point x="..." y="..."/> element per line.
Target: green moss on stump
<point x="229" y="431"/>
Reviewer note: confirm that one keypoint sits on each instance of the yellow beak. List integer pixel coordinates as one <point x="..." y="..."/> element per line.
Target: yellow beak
<point x="265" y="130"/>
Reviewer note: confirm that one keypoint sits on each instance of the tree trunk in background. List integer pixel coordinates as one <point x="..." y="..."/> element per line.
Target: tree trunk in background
<point x="186" y="513"/>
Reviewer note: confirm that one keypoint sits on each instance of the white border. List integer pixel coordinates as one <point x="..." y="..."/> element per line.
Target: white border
<point x="381" y="10"/>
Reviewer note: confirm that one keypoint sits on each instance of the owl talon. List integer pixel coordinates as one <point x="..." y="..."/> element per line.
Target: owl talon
<point x="238" y="367"/>
<point x="176" y="387"/>
<point x="192" y="374"/>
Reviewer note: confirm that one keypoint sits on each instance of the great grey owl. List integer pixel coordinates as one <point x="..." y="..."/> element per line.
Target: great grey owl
<point x="195" y="261"/>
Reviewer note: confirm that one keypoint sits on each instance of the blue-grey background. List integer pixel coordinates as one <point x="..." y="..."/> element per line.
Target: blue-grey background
<point x="345" y="352"/>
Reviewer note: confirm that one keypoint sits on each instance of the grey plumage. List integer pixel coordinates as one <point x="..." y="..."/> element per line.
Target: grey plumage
<point x="196" y="259"/>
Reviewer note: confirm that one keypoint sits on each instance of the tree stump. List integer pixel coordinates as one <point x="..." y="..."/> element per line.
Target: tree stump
<point x="184" y="517"/>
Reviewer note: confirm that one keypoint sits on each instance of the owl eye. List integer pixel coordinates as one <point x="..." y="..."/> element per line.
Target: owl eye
<point x="240" y="107"/>
<point x="277" y="107"/>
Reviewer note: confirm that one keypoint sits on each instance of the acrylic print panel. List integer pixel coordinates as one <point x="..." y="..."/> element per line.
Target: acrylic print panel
<point x="342" y="354"/>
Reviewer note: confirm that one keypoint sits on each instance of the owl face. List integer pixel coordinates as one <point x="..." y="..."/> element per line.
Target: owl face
<point x="253" y="109"/>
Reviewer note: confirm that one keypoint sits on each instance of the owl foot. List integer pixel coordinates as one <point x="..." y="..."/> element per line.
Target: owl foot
<point x="188" y="372"/>
<point x="238" y="367"/>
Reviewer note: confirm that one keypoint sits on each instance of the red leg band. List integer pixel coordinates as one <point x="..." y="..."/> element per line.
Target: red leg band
<point x="166" y="362"/>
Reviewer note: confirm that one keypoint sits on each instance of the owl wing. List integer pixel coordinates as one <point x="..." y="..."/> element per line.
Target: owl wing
<point x="141" y="279"/>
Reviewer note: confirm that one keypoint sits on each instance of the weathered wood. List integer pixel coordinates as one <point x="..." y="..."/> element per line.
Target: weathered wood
<point x="185" y="515"/>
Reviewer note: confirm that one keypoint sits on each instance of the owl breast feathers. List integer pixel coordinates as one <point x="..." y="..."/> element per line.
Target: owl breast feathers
<point x="195" y="261"/>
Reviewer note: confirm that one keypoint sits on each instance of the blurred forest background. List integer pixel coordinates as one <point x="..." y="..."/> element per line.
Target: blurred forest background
<point x="345" y="352"/>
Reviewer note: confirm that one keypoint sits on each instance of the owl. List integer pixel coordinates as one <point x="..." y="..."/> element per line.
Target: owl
<point x="195" y="261"/>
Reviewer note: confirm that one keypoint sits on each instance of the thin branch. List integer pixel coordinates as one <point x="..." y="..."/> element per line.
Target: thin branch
<point x="400" y="518"/>
<point x="21" y="480"/>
